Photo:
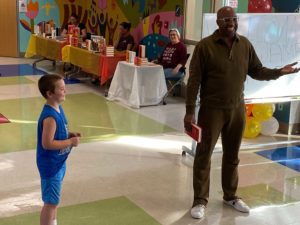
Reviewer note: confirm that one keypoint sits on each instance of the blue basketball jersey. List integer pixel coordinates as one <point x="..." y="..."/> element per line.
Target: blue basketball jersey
<point x="49" y="161"/>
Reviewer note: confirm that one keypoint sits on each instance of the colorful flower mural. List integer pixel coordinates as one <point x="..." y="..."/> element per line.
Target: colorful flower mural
<point x="102" y="4"/>
<point x="48" y="7"/>
<point x="32" y="12"/>
<point x="38" y="11"/>
<point x="32" y="9"/>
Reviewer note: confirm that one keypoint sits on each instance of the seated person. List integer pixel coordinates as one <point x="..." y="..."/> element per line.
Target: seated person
<point x="74" y="21"/>
<point x="174" y="56"/>
<point x="126" y="40"/>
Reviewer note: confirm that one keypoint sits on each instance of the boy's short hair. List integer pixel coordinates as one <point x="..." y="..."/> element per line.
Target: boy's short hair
<point x="47" y="83"/>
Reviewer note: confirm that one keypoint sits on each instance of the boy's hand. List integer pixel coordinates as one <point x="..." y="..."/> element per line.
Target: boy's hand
<point x="74" y="134"/>
<point x="74" y="141"/>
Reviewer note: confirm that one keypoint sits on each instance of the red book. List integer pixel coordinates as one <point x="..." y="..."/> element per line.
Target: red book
<point x="195" y="133"/>
<point x="71" y="28"/>
<point x="76" y="31"/>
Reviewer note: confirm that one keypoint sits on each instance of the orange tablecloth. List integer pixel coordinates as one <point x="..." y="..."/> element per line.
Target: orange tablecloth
<point x="108" y="65"/>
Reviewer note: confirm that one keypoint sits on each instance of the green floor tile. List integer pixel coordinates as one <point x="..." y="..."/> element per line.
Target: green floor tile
<point x="294" y="180"/>
<point x="263" y="195"/>
<point x="116" y="211"/>
<point x="14" y="80"/>
<point x="92" y="115"/>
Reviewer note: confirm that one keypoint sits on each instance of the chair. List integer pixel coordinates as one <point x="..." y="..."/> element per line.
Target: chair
<point x="172" y="83"/>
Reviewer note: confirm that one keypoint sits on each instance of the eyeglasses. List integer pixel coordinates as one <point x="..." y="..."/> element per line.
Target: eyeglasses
<point x="229" y="19"/>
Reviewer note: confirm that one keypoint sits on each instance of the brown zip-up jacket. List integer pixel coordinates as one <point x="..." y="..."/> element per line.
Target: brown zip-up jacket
<point x="220" y="72"/>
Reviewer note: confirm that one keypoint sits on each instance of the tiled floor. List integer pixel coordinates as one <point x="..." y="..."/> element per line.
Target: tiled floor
<point x="136" y="154"/>
<point x="3" y="119"/>
<point x="286" y="156"/>
<point x="19" y="69"/>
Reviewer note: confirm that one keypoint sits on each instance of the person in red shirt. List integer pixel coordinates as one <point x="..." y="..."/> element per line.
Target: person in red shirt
<point x="174" y="56"/>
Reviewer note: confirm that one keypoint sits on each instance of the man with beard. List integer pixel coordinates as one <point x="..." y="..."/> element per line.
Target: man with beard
<point x="219" y="67"/>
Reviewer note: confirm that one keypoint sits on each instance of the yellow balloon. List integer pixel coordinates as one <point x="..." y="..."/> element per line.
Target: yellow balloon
<point x="262" y="112"/>
<point x="252" y="128"/>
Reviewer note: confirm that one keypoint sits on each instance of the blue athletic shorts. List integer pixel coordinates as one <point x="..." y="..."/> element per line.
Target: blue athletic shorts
<point x="51" y="187"/>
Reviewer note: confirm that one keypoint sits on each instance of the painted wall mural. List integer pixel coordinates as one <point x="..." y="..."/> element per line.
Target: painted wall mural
<point x="102" y="17"/>
<point x="260" y="6"/>
<point x="38" y="11"/>
<point x="286" y="5"/>
<point x="67" y="7"/>
<point x="265" y="6"/>
<point x="31" y="14"/>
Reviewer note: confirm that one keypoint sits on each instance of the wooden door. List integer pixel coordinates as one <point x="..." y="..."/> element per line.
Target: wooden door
<point x="9" y="28"/>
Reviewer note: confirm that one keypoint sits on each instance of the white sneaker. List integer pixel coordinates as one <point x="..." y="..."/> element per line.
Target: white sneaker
<point x="239" y="205"/>
<point x="197" y="212"/>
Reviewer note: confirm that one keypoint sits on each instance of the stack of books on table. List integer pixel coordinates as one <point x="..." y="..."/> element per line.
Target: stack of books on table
<point x="76" y="32"/>
<point x="141" y="61"/>
<point x="142" y="51"/>
<point x="74" y="41"/>
<point x="71" y="28"/>
<point x="109" y="51"/>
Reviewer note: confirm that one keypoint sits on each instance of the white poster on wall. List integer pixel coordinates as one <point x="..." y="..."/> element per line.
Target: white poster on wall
<point x="22" y="5"/>
<point x="276" y="42"/>
<point x="232" y="3"/>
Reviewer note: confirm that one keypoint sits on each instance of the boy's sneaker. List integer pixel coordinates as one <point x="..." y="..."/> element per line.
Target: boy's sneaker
<point x="239" y="205"/>
<point x="197" y="212"/>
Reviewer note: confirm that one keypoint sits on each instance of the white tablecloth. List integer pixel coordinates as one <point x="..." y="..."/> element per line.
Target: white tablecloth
<point x="138" y="86"/>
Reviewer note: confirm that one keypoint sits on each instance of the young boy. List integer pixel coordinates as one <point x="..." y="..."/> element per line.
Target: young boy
<point x="53" y="146"/>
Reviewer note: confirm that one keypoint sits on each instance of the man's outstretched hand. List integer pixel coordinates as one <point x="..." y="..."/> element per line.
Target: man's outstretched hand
<point x="289" y="68"/>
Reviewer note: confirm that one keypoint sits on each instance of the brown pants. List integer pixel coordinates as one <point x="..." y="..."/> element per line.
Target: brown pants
<point x="230" y="123"/>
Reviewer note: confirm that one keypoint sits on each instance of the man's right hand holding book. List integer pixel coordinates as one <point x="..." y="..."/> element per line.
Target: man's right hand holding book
<point x="191" y="128"/>
<point x="188" y="120"/>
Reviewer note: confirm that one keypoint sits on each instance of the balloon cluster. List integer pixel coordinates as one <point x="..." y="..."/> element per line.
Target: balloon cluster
<point x="260" y="120"/>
